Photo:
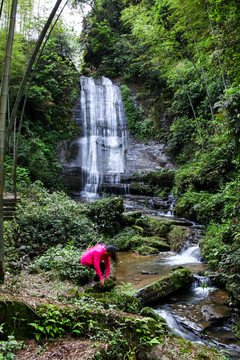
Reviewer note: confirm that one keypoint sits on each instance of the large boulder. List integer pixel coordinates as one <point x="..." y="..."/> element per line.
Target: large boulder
<point x="157" y="290"/>
<point x="16" y="316"/>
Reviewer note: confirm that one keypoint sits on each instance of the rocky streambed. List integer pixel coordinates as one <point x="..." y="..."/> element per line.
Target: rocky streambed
<point x="199" y="311"/>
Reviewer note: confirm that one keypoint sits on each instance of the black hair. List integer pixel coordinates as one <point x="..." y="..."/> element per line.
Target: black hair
<point x="112" y="249"/>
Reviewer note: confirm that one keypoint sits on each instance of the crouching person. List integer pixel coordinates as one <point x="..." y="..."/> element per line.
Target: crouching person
<point x="98" y="257"/>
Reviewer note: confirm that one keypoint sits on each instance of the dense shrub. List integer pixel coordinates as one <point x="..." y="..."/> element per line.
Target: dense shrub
<point x="177" y="237"/>
<point x="132" y="112"/>
<point x="220" y="247"/>
<point x="105" y="214"/>
<point x="22" y="176"/>
<point x="201" y="206"/>
<point x="65" y="264"/>
<point x="46" y="219"/>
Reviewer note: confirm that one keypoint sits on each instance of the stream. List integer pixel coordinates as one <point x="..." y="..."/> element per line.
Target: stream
<point x="94" y="163"/>
<point x="198" y="313"/>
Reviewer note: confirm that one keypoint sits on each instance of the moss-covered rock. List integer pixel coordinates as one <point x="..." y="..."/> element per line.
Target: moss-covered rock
<point x="178" y="236"/>
<point x="156" y="290"/>
<point x="141" y="189"/>
<point x="16" y="316"/>
<point x="163" y="178"/>
<point x="160" y="178"/>
<point x="156" y="242"/>
<point x="149" y="312"/>
<point x="147" y="250"/>
<point x="130" y="218"/>
<point x="98" y="288"/>
<point x="173" y="347"/>
<point x="159" y="227"/>
<point x="121" y="301"/>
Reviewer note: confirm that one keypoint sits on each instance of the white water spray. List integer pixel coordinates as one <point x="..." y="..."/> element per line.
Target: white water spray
<point x="103" y="144"/>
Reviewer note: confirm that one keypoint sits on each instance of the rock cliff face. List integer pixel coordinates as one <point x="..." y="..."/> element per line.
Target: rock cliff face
<point x="145" y="156"/>
<point x="104" y="154"/>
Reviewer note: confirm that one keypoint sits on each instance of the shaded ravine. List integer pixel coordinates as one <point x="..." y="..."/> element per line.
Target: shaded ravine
<point x="198" y="313"/>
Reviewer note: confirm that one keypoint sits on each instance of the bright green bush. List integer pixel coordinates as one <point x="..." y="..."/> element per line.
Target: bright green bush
<point x="213" y="246"/>
<point x="158" y="227"/>
<point x="201" y="206"/>
<point x="105" y="214"/>
<point x="22" y="176"/>
<point x="46" y="219"/>
<point x="220" y="247"/>
<point x="39" y="158"/>
<point x="132" y="112"/>
<point x="65" y="264"/>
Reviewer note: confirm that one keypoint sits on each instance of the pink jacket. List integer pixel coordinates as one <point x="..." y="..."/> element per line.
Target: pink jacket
<point x="93" y="256"/>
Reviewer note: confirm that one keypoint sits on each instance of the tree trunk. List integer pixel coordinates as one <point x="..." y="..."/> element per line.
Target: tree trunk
<point x="29" y="69"/>
<point x="1" y="7"/>
<point x="3" y="112"/>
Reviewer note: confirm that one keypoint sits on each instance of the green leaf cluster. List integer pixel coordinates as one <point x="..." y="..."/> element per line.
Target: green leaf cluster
<point x="64" y="263"/>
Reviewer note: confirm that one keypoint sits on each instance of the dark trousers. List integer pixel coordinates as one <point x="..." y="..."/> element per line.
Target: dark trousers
<point x="102" y="268"/>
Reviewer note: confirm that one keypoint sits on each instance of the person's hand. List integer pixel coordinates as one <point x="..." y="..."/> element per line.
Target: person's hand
<point x="102" y="282"/>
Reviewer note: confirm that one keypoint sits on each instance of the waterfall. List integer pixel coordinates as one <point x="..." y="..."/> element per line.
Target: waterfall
<point x="102" y="145"/>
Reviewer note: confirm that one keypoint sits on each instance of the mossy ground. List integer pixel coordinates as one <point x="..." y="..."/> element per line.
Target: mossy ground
<point x="38" y="289"/>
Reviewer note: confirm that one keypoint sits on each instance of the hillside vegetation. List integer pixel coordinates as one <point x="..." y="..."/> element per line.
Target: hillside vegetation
<point x="178" y="65"/>
<point x="179" y="61"/>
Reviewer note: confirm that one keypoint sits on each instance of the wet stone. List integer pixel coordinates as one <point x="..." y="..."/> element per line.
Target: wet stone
<point x="219" y="297"/>
<point x="190" y="316"/>
<point x="215" y="312"/>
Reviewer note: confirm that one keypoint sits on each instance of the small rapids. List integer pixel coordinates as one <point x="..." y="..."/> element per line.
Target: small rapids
<point x="197" y="313"/>
<point x="190" y="256"/>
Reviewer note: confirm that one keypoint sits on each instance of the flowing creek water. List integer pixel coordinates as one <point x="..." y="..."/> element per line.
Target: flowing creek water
<point x="94" y="163"/>
<point x="197" y="313"/>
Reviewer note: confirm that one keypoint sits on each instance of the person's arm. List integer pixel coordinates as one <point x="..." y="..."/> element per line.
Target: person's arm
<point x="108" y="267"/>
<point x="96" y="265"/>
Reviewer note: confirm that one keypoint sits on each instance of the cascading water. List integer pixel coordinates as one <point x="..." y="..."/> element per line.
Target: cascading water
<point x="103" y="142"/>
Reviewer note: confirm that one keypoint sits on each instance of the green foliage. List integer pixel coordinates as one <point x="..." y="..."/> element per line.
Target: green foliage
<point x="8" y="346"/>
<point x="39" y="158"/>
<point x="54" y="88"/>
<point x="199" y="206"/>
<point x="227" y="36"/>
<point x="89" y="319"/>
<point x="46" y="120"/>
<point x="105" y="214"/>
<point x="22" y="173"/>
<point x="181" y="138"/>
<point x="51" y="219"/>
<point x="177" y="237"/>
<point x="122" y="300"/>
<point x="64" y="263"/>
<point x="132" y="112"/>
<point x="203" y="205"/>
<point x="220" y="247"/>
<point x="104" y="47"/>
<point x="124" y="239"/>
<point x="19" y="58"/>
<point x="158" y="227"/>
